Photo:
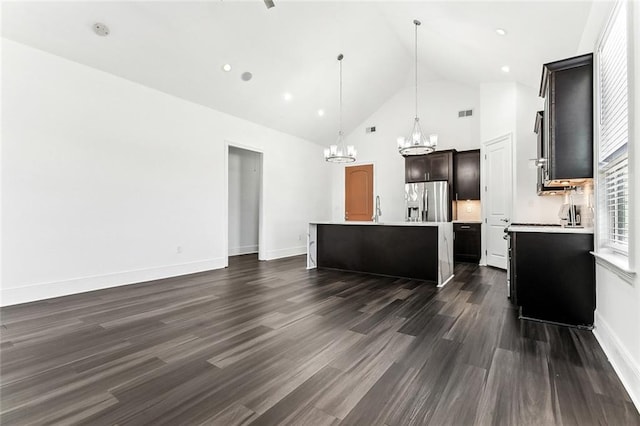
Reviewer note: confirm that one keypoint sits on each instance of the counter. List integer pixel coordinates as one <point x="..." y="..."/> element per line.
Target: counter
<point x="550" y="229"/>
<point x="551" y="274"/>
<point x="353" y="222"/>
<point x="416" y="250"/>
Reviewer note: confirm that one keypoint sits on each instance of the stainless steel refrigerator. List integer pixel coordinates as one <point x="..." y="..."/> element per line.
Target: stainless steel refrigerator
<point x="427" y="202"/>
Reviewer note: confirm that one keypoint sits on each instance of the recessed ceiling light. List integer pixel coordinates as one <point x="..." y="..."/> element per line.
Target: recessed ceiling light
<point x="505" y="68"/>
<point x="501" y="31"/>
<point x="246" y="76"/>
<point x="320" y="112"/>
<point x="226" y="67"/>
<point x="287" y="96"/>
<point x="101" y="29"/>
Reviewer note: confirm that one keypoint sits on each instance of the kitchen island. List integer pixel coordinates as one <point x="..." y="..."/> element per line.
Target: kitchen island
<point x="416" y="250"/>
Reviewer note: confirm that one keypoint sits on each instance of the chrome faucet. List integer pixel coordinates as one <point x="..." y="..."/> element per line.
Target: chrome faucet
<point x="376" y="216"/>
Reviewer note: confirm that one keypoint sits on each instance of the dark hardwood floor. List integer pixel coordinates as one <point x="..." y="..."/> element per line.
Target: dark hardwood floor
<point x="272" y="343"/>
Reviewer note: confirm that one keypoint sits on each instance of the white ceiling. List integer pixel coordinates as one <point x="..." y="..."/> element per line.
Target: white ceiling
<point x="179" y="48"/>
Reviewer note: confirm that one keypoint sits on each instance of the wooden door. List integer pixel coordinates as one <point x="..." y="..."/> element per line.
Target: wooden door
<point x="358" y="190"/>
<point x="498" y="187"/>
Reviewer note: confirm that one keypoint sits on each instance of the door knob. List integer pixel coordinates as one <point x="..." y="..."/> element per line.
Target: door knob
<point x="506" y="219"/>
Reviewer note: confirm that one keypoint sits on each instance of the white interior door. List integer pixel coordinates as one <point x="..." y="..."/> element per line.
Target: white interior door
<point x="498" y="198"/>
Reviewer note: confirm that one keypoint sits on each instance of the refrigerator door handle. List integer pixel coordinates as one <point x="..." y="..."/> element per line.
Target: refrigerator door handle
<point x="426" y="205"/>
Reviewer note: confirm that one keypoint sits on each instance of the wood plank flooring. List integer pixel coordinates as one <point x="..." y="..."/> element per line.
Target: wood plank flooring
<point x="269" y="343"/>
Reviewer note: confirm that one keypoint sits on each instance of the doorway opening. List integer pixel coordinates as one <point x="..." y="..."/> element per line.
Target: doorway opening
<point x="244" y="202"/>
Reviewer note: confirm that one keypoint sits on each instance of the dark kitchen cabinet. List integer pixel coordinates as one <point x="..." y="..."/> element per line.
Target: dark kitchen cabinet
<point x="541" y="188"/>
<point x="429" y="167"/>
<point x="415" y="168"/>
<point x="567" y="87"/>
<point x="466" y="243"/>
<point x="553" y="277"/>
<point x="397" y="251"/>
<point x="466" y="175"/>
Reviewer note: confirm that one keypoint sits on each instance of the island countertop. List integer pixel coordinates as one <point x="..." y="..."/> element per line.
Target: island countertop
<point x="353" y="222"/>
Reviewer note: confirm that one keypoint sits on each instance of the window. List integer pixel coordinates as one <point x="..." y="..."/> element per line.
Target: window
<point x="613" y="137"/>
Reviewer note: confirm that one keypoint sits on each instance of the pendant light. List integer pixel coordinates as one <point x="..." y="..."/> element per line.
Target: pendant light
<point x="417" y="143"/>
<point x="339" y="153"/>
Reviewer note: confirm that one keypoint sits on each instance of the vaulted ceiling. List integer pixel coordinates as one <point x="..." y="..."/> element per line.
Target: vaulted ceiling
<point x="180" y="48"/>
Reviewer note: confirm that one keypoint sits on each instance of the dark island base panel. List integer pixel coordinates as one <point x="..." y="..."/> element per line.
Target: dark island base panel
<point x="397" y="251"/>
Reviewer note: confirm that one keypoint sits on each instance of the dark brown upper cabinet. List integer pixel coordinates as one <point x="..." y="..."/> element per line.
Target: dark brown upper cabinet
<point x="538" y="129"/>
<point x="429" y="167"/>
<point x="466" y="175"/>
<point x="567" y="87"/>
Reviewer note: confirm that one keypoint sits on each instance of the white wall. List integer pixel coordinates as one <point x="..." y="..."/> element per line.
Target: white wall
<point x="498" y="110"/>
<point x="617" y="321"/>
<point x="103" y="179"/>
<point x="511" y="108"/>
<point x="439" y="103"/>
<point x="244" y="200"/>
<point x="528" y="206"/>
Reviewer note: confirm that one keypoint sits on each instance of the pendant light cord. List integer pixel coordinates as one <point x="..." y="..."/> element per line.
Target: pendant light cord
<point x="416" y="22"/>
<point x="340" y="59"/>
<point x="346" y="153"/>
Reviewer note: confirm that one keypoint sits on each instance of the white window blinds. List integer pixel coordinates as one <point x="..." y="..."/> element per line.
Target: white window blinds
<point x="613" y="164"/>
<point x="617" y="195"/>
<point x="614" y="127"/>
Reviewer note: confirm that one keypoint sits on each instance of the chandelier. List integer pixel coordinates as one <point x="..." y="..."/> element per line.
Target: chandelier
<point x="417" y="143"/>
<point x="339" y="153"/>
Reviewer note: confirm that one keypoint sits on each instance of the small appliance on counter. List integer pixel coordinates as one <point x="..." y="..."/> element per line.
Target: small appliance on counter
<point x="569" y="213"/>
<point x="570" y="216"/>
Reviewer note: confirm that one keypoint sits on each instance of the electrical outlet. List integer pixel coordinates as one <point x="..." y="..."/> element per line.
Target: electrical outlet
<point x="469" y="209"/>
<point x="299" y="237"/>
<point x="179" y="249"/>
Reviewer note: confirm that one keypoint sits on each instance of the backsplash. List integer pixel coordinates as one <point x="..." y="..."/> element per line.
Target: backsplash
<point x="468" y="210"/>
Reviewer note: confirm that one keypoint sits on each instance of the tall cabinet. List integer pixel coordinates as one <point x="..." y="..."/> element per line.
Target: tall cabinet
<point x="466" y="182"/>
<point x="567" y="87"/>
<point x="466" y="177"/>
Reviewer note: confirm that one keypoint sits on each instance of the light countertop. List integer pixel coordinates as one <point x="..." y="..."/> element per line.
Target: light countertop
<point x="549" y="229"/>
<point x="380" y="223"/>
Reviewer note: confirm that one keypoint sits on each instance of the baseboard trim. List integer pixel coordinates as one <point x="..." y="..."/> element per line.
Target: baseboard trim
<point x="48" y="290"/>
<point x="237" y="251"/>
<point x="287" y="252"/>
<point x="446" y="281"/>
<point x="623" y="364"/>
